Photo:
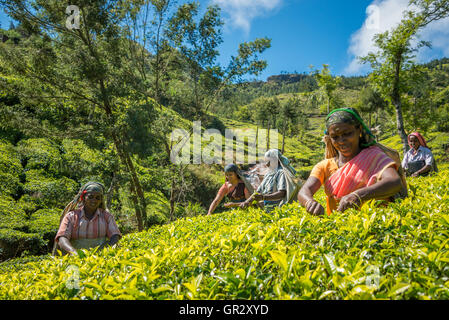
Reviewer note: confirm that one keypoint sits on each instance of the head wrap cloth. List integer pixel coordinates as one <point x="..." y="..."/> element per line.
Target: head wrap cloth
<point x="349" y="116"/>
<point x="233" y="168"/>
<point x="420" y="138"/>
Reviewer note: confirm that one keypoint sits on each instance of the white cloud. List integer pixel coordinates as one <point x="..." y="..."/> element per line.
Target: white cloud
<point x="383" y="15"/>
<point x="242" y="12"/>
<point x="438" y="34"/>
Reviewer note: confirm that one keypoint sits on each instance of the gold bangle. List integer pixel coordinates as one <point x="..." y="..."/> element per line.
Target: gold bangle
<point x="307" y="202"/>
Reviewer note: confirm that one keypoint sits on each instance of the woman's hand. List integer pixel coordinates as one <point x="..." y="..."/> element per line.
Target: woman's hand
<point x="231" y="205"/>
<point x="305" y="196"/>
<point x="245" y="204"/>
<point x="349" y="201"/>
<point x="258" y="197"/>
<point x="314" y="207"/>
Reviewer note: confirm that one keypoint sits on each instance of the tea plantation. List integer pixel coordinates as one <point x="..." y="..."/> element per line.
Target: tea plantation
<point x="399" y="251"/>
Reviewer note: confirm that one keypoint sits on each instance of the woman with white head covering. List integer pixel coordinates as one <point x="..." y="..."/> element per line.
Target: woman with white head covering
<point x="278" y="184"/>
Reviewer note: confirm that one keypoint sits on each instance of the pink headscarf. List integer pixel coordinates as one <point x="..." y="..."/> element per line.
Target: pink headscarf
<point x="420" y="138"/>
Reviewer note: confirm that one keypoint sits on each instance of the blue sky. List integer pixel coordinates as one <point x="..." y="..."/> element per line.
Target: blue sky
<point x="315" y="32"/>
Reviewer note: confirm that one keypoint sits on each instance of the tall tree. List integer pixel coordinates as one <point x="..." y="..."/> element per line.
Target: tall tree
<point x="288" y="118"/>
<point x="87" y="66"/>
<point x="326" y="83"/>
<point x="371" y="102"/>
<point x="395" y="55"/>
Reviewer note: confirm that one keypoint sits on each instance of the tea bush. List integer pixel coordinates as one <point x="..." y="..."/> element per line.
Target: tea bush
<point x="40" y="154"/>
<point x="45" y="222"/>
<point x="10" y="170"/>
<point x="13" y="242"/>
<point x="80" y="161"/>
<point x="48" y="191"/>
<point x="11" y="216"/>
<point x="21" y="233"/>
<point x="394" y="251"/>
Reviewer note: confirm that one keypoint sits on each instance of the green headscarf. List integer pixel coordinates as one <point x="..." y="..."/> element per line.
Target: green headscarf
<point x="351" y="116"/>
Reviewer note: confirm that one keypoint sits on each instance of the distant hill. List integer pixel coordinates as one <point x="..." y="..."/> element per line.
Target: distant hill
<point x="289" y="78"/>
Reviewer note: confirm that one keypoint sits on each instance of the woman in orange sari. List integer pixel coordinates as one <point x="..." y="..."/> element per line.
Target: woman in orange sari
<point x="356" y="168"/>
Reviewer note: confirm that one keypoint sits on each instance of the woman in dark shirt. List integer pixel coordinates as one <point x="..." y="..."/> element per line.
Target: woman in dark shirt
<point x="235" y="188"/>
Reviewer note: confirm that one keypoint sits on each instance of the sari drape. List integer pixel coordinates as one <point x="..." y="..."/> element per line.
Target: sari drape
<point x="363" y="170"/>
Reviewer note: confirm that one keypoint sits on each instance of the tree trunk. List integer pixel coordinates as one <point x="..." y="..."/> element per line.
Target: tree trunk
<point x="139" y="190"/>
<point x="396" y="101"/>
<point x="136" y="206"/>
<point x="140" y="206"/>
<point x="110" y="191"/>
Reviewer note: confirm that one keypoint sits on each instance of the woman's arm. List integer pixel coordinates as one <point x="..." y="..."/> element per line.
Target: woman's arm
<point x="247" y="194"/>
<point x="426" y="169"/>
<point x="112" y="241"/>
<point x="305" y="196"/>
<point x="387" y="186"/>
<point x="278" y="195"/>
<point x="215" y="203"/>
<point x="255" y="196"/>
<point x="65" y="245"/>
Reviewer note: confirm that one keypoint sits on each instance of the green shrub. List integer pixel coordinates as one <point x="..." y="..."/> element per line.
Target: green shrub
<point x="28" y="204"/>
<point x="13" y="243"/>
<point x="49" y="192"/>
<point x="249" y="254"/>
<point x="11" y="215"/>
<point x="22" y="234"/>
<point x="79" y="160"/>
<point x="45" y="222"/>
<point x="10" y="170"/>
<point x="40" y="154"/>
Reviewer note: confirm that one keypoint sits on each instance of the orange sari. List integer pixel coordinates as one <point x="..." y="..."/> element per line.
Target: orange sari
<point x="363" y="170"/>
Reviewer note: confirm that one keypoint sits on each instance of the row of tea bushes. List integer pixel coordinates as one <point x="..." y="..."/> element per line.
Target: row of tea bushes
<point x="394" y="251"/>
<point x="21" y="233"/>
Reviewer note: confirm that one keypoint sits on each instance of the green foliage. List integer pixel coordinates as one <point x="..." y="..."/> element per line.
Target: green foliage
<point x="25" y="234"/>
<point x="49" y="191"/>
<point x="13" y="242"/>
<point x="40" y="154"/>
<point x="45" y="222"/>
<point x="10" y="170"/>
<point x="11" y="215"/>
<point x="327" y="85"/>
<point x="250" y="254"/>
<point x="79" y="160"/>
